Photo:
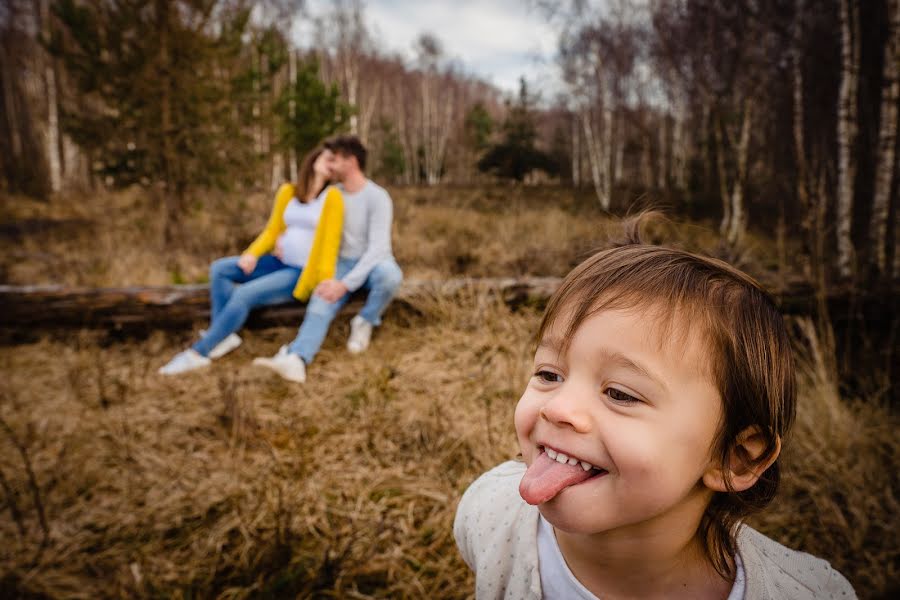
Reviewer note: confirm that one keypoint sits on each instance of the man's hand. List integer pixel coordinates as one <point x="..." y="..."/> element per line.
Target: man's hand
<point x="247" y="262"/>
<point x="331" y="290"/>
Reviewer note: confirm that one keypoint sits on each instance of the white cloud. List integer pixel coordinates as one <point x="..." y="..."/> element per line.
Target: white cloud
<point x="497" y="40"/>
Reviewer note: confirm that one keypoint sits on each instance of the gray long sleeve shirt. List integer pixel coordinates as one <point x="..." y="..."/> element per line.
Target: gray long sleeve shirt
<point x="366" y="236"/>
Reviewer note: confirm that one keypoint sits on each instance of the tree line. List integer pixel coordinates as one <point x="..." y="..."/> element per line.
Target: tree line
<point x="776" y="114"/>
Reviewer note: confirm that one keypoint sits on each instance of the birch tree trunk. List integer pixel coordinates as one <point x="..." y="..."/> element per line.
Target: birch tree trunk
<point x="662" y="174"/>
<point x="719" y="135"/>
<point x="351" y="78"/>
<point x="595" y="159"/>
<point x="368" y="111"/>
<point x="576" y="152"/>
<point x="887" y="140"/>
<point x="846" y="133"/>
<point x="608" y="141"/>
<point x="52" y="132"/>
<point x="738" y="226"/>
<point x="619" y="161"/>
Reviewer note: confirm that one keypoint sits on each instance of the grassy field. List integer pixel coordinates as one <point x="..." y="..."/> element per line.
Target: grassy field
<point x="231" y="483"/>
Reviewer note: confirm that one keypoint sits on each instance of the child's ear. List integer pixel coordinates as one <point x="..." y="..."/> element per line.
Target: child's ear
<point x="746" y="462"/>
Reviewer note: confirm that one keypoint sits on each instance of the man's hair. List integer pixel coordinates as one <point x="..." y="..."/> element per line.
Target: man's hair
<point x="348" y="145"/>
<point x="748" y="354"/>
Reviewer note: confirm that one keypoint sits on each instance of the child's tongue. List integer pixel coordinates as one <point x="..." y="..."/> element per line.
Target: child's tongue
<point x="545" y="478"/>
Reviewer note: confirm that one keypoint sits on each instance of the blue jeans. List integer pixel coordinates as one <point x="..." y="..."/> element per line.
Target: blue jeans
<point x="382" y="284"/>
<point x="233" y="294"/>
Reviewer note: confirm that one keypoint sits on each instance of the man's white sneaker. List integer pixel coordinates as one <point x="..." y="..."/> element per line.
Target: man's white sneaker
<point x="231" y="342"/>
<point x="360" y="335"/>
<point x="290" y="366"/>
<point x="185" y="361"/>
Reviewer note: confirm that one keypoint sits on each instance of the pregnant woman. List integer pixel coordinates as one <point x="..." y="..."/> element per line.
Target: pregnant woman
<point x="297" y="249"/>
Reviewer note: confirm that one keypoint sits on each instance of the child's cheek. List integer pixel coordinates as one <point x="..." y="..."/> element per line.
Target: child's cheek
<point x="525" y="418"/>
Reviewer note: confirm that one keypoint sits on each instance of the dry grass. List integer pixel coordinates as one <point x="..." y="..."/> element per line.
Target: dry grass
<point x="115" y="239"/>
<point x="231" y="483"/>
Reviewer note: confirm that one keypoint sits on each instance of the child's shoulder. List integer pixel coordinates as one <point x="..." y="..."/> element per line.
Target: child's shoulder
<point x="496" y="532"/>
<point x="774" y="570"/>
<point x="493" y="499"/>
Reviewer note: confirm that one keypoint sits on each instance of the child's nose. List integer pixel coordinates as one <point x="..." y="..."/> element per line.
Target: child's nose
<point x="569" y="407"/>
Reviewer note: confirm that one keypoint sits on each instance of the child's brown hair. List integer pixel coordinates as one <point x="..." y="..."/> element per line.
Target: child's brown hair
<point x="749" y="358"/>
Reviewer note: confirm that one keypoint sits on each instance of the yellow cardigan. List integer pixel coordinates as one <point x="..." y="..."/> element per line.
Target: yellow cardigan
<point x="322" y="260"/>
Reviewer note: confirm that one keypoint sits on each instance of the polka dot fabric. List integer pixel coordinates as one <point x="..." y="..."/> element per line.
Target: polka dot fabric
<point x="496" y="532"/>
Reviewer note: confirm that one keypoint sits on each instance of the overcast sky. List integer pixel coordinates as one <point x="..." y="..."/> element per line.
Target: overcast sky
<point x="497" y="40"/>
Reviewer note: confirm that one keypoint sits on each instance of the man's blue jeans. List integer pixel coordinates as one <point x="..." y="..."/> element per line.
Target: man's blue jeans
<point x="233" y="294"/>
<point x="382" y="284"/>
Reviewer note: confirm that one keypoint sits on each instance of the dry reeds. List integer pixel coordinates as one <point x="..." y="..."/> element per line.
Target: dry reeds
<point x="232" y="483"/>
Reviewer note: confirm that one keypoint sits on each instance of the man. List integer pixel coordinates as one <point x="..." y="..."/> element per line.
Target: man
<point x="365" y="262"/>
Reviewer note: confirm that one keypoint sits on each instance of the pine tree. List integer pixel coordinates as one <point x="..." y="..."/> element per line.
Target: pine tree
<point x="318" y="110"/>
<point x="157" y="92"/>
<point x="516" y="155"/>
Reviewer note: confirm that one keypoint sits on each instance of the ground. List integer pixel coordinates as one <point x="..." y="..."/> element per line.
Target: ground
<point x="232" y="483"/>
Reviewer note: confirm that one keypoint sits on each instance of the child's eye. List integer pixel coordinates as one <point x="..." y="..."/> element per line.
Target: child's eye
<point x="548" y="376"/>
<point x="621" y="397"/>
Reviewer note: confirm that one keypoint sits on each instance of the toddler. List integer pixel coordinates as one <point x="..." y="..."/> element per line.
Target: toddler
<point x="662" y="390"/>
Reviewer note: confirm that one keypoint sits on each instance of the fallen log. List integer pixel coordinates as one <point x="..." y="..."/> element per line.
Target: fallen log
<point x="161" y="307"/>
<point x="52" y="306"/>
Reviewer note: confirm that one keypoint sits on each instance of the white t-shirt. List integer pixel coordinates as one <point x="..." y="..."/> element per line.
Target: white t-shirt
<point x="301" y="220"/>
<point x="558" y="582"/>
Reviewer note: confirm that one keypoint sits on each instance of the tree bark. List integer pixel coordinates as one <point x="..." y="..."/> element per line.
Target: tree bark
<point x="292" y="110"/>
<point x="887" y="140"/>
<point x="576" y="152"/>
<point x="52" y="132"/>
<point x="595" y="159"/>
<point x="170" y="193"/>
<point x="719" y="135"/>
<point x="180" y="305"/>
<point x="738" y="226"/>
<point x="798" y="128"/>
<point x="846" y="133"/>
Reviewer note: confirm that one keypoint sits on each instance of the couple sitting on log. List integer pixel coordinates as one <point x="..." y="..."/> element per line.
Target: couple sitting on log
<point x="322" y="243"/>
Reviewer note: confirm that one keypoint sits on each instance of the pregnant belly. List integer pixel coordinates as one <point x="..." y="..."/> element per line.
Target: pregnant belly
<point x="295" y="246"/>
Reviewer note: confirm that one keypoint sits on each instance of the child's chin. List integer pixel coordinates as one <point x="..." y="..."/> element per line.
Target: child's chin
<point x="561" y="521"/>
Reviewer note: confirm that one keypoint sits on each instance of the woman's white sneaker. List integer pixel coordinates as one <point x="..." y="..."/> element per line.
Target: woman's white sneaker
<point x="360" y="335"/>
<point x="188" y="360"/>
<point x="231" y="342"/>
<point x="290" y="366"/>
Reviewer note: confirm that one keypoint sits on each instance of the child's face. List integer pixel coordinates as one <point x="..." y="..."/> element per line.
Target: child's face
<point x="639" y="409"/>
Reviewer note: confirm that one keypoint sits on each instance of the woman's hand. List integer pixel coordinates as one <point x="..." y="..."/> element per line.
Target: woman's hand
<point x="247" y="263"/>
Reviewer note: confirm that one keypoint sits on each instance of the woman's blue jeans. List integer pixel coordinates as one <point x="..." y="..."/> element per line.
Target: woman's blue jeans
<point x="381" y="284"/>
<point x="233" y="294"/>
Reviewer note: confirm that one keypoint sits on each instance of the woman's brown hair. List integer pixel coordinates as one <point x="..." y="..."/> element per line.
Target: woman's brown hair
<point x="306" y="176"/>
<point x="749" y="356"/>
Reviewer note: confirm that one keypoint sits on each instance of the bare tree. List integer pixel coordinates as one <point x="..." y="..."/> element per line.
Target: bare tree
<point x="846" y="132"/>
<point x="52" y="136"/>
<point x="887" y="141"/>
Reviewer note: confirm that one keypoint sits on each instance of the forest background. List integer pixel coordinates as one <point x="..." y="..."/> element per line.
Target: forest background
<point x="140" y="139"/>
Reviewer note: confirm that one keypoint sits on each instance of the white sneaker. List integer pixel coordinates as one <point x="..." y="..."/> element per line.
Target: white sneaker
<point x="231" y="342"/>
<point x="185" y="361"/>
<point x="290" y="366"/>
<point x="360" y="335"/>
